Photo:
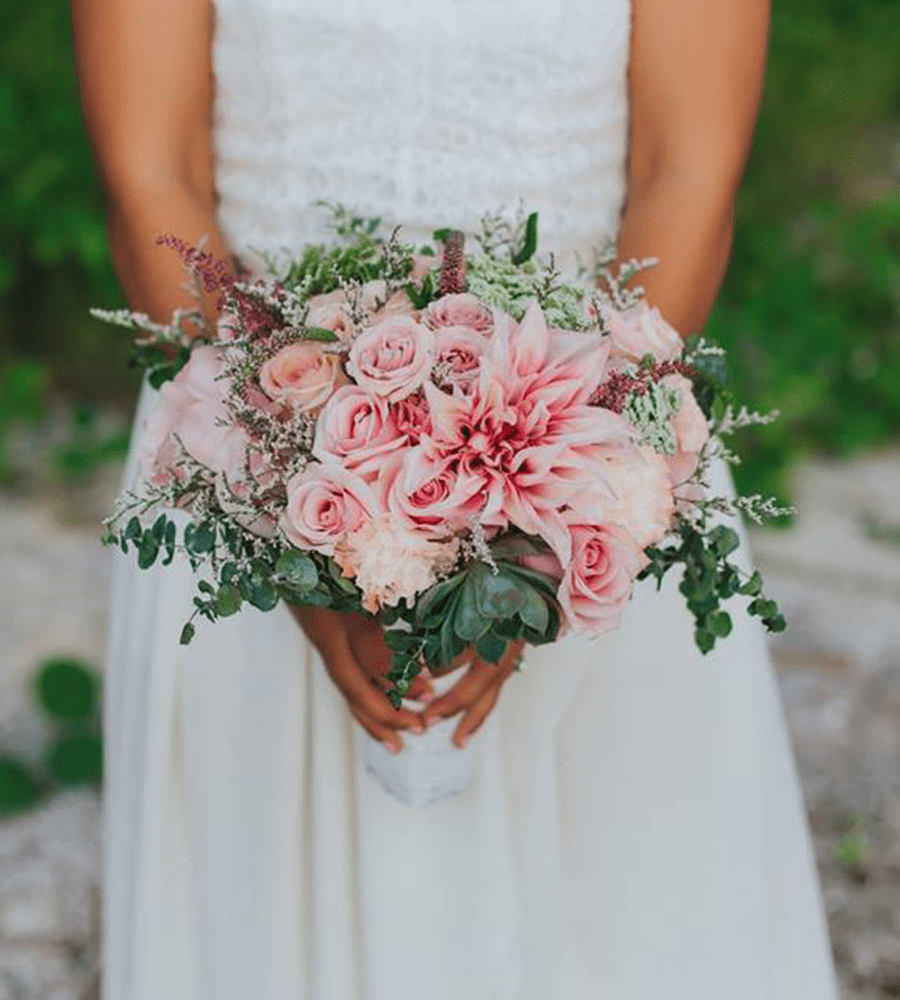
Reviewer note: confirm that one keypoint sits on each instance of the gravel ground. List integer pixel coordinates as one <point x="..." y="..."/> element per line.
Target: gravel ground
<point x="837" y="575"/>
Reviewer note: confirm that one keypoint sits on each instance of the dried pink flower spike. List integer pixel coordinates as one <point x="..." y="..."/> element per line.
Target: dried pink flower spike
<point x="453" y="268"/>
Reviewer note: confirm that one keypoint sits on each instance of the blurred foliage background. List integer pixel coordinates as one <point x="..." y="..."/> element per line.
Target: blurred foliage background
<point x="810" y="310"/>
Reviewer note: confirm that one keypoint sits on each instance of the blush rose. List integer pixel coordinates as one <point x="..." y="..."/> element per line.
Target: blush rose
<point x="598" y="581"/>
<point x="302" y="375"/>
<point x="324" y="504"/>
<point x="393" y="358"/>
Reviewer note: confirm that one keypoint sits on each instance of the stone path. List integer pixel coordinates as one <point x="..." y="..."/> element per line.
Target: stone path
<point x="837" y="575"/>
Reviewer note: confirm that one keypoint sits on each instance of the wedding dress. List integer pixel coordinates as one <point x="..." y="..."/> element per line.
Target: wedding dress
<point x="636" y="828"/>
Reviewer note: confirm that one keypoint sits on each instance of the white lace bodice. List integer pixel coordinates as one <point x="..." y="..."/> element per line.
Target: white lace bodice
<point x="427" y="113"/>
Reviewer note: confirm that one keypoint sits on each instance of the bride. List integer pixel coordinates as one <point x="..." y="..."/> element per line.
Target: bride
<point x="635" y="829"/>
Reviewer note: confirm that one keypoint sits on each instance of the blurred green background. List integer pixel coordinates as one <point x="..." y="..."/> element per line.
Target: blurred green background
<point x="810" y="310"/>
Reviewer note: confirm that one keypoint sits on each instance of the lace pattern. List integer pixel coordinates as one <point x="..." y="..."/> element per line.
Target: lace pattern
<point x="424" y="113"/>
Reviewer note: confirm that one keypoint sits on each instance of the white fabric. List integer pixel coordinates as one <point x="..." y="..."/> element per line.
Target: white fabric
<point x="636" y="828"/>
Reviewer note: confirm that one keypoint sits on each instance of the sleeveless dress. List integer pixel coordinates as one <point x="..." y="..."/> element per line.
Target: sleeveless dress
<point x="636" y="827"/>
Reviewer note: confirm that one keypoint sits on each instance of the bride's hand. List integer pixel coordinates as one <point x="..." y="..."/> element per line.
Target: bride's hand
<point x="475" y="693"/>
<point x="356" y="658"/>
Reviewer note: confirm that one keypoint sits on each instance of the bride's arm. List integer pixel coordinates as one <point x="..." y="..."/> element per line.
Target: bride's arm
<point x="146" y="89"/>
<point x="695" y="78"/>
<point x="146" y="86"/>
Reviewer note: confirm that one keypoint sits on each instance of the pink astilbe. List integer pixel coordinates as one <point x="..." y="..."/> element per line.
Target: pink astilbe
<point x="453" y="267"/>
<point x="615" y="390"/>
<point x="215" y="274"/>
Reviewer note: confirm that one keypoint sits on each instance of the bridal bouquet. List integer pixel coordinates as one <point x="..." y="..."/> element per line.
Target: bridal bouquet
<point x="470" y="446"/>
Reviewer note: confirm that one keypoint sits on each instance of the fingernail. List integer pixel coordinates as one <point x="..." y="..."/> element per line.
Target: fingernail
<point x="391" y="746"/>
<point x="462" y="741"/>
<point x="426" y="697"/>
<point x="417" y="727"/>
<point x="432" y="721"/>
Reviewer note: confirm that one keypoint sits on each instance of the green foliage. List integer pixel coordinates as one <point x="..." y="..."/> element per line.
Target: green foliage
<point x="67" y="690"/>
<point x="76" y="759"/>
<point x="810" y="311"/>
<point x="708" y="578"/>
<point x="54" y="261"/>
<point x="22" y="399"/>
<point x="88" y="446"/>
<point x="19" y="788"/>
<point x="854" y="849"/>
<point x="68" y="693"/>
<point x="481" y="605"/>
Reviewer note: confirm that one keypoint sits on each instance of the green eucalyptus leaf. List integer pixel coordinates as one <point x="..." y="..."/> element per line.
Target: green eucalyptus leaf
<point x="148" y="550"/>
<point x="705" y="640"/>
<point x="187" y="634"/>
<point x="763" y="608"/>
<point x="775" y="623"/>
<point x="228" y="600"/>
<point x="724" y="539"/>
<point x="169" y="542"/>
<point x="263" y="594"/>
<point x="200" y="538"/>
<point x="318" y="597"/>
<point x="720" y="624"/>
<point x="297" y="570"/>
<point x="753" y="587"/>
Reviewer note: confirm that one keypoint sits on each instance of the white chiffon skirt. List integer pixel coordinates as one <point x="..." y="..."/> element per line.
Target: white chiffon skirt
<point x="635" y="830"/>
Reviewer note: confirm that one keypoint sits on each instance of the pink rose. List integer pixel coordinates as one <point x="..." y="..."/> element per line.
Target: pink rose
<point x="457" y="356"/>
<point x="392" y="358"/>
<point x="689" y="422"/>
<point x="427" y="494"/>
<point x="412" y="417"/>
<point x="598" y="580"/>
<point x="375" y="302"/>
<point x="158" y="451"/>
<point x="324" y="504"/>
<point x="642" y="330"/>
<point x="691" y="434"/>
<point x="192" y="413"/>
<point x="461" y="309"/>
<point x="642" y="503"/>
<point x="329" y="311"/>
<point x="302" y="375"/>
<point x="354" y="428"/>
